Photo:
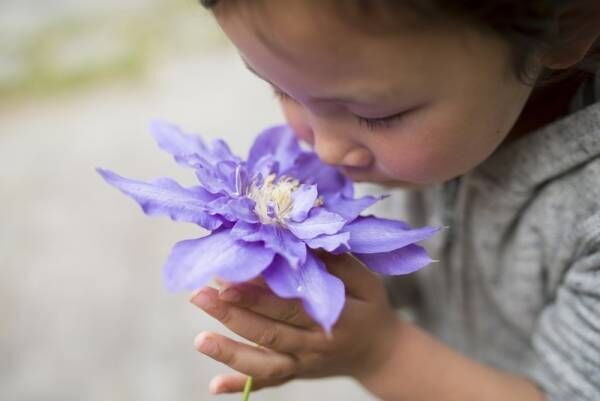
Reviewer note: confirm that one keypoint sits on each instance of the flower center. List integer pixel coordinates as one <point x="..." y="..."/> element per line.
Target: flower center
<point x="273" y="199"/>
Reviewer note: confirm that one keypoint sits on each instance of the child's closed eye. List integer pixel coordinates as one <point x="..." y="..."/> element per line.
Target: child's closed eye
<point x="380" y="122"/>
<point x="370" y="123"/>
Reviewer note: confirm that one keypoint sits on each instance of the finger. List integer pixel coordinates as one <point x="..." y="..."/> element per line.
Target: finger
<point x="222" y="284"/>
<point x="252" y="326"/>
<point x="235" y="383"/>
<point x="360" y="282"/>
<point x="262" y="301"/>
<point x="254" y="361"/>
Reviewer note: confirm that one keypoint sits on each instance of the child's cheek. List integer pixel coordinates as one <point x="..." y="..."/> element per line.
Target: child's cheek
<point x="294" y="116"/>
<point x="410" y="162"/>
<point x="304" y="134"/>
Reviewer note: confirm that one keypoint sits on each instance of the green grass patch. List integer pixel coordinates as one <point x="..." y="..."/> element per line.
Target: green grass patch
<point x="68" y="54"/>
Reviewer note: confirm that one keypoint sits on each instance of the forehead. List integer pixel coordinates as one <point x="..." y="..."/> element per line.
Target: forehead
<point x="300" y="32"/>
<point x="290" y="39"/>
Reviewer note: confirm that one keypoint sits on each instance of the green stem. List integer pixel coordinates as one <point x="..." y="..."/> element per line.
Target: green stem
<point x="247" y="389"/>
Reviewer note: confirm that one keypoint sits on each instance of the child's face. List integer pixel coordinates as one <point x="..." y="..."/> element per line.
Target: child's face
<point x="411" y="109"/>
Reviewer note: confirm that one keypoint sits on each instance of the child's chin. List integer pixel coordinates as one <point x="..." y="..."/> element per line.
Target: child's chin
<point x="389" y="183"/>
<point x="371" y="177"/>
<point x="403" y="185"/>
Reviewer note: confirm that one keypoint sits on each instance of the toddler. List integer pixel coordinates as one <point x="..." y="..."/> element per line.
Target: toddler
<point x="487" y="112"/>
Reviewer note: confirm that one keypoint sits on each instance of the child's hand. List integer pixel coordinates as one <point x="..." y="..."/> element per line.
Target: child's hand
<point x="291" y="345"/>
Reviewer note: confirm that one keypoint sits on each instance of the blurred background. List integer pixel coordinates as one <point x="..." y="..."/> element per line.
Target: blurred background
<point x="83" y="312"/>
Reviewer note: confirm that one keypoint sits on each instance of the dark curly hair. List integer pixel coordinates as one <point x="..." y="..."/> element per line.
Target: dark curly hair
<point x="529" y="26"/>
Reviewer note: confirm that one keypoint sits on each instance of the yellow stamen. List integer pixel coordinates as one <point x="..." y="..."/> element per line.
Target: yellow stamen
<point x="273" y="199"/>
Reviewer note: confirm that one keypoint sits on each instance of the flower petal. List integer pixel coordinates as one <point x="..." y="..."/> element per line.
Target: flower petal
<point x="264" y="167"/>
<point x="166" y="197"/>
<point x="322" y="294"/>
<point x="308" y="169"/>
<point x="319" y="222"/>
<point x="211" y="176"/>
<point x="279" y="240"/>
<point x="336" y="243"/>
<point x="374" y="235"/>
<point x="234" y="209"/>
<point x="193" y="263"/>
<point x="242" y="229"/>
<point x="303" y="200"/>
<point x="400" y="261"/>
<point x="279" y="142"/>
<point x="217" y="169"/>
<point x="349" y="208"/>
<point x="173" y="140"/>
<point x="178" y="143"/>
<point x="220" y="151"/>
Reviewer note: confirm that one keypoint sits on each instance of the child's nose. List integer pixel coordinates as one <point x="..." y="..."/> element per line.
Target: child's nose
<point x="357" y="157"/>
<point x="341" y="153"/>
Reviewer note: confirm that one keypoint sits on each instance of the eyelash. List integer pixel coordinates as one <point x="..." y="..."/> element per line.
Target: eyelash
<point x="281" y="95"/>
<point x="374" y="123"/>
<point x="371" y="123"/>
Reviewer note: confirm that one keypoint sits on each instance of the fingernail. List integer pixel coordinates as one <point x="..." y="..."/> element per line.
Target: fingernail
<point x="231" y="295"/>
<point x="203" y="301"/>
<point x="213" y="387"/>
<point x="207" y="346"/>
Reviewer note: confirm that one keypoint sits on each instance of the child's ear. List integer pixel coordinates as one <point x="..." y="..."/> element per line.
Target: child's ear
<point x="578" y="32"/>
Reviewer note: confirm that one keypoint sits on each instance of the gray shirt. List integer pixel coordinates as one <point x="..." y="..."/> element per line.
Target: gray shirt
<point x="518" y="282"/>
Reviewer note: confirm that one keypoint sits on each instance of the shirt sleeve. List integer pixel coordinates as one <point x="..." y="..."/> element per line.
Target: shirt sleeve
<point x="567" y="337"/>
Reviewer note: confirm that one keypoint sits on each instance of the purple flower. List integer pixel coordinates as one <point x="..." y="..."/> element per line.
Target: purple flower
<point x="267" y="216"/>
